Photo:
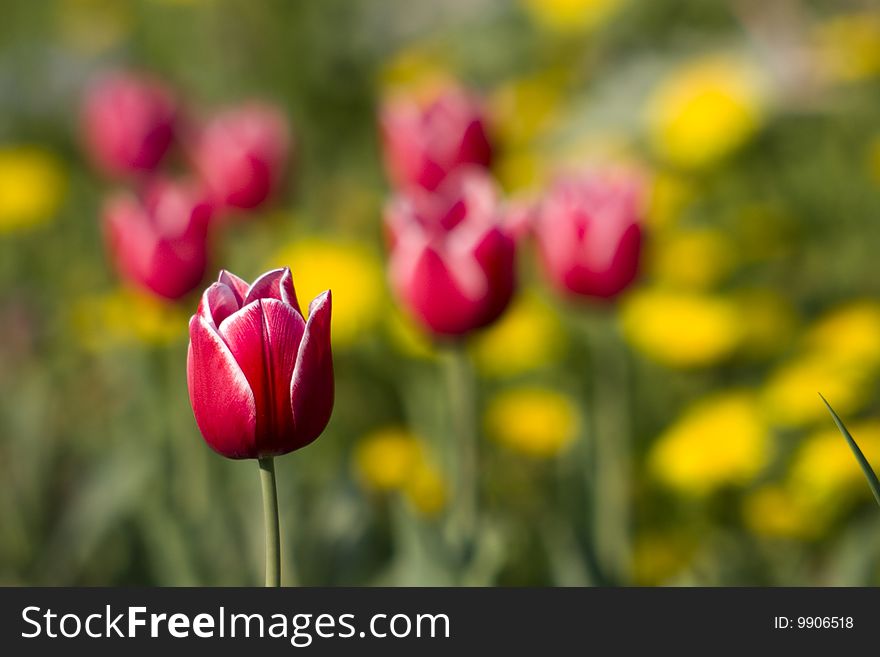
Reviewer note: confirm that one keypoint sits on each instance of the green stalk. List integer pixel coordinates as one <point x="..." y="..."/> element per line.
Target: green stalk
<point x="270" y="518"/>
<point x="461" y="390"/>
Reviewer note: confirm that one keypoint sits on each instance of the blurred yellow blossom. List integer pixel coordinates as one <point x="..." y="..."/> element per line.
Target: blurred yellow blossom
<point x="704" y="111"/>
<point x="351" y="271"/>
<point x="669" y="196"/>
<point x="849" y="334"/>
<point x="849" y="46"/>
<point x="525" y="108"/>
<point x="521" y="169"/>
<point x="417" y="69"/>
<point x="790" y="393"/>
<point x="425" y="489"/>
<point x="385" y="458"/>
<point x="528" y="336"/>
<point x="775" y="511"/>
<point x="126" y="316"/>
<point x="721" y="440"/>
<point x="681" y="329"/>
<point x="824" y="469"/>
<point x="657" y="557"/>
<point x="571" y="16"/>
<point x="32" y="184"/>
<point x="695" y="258"/>
<point x="537" y="422"/>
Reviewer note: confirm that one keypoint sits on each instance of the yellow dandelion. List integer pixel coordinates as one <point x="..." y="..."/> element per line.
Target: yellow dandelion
<point x="720" y="441"/>
<point x="527" y="337"/>
<point x="384" y="459"/>
<point x="790" y="394"/>
<point x="521" y="170"/>
<point x="32" y="185"/>
<point x="681" y="329"/>
<point x="418" y="69"/>
<point x="571" y="16"/>
<point x="695" y="258"/>
<point x="849" y="334"/>
<point x="774" y="511"/>
<point x="849" y="46"/>
<point x="536" y="422"/>
<point x="704" y="111"/>
<point x="425" y="489"/>
<point x="126" y="316"/>
<point x="351" y="271"/>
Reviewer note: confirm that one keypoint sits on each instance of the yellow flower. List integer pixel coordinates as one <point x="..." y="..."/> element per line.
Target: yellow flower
<point x="719" y="441"/>
<point x="849" y="46"/>
<point x="525" y="108"/>
<point x="571" y="16"/>
<point x="352" y="272"/>
<point x="670" y="194"/>
<point x="384" y="459"/>
<point x="704" y="111"/>
<point x="417" y="69"/>
<point x="31" y="187"/>
<point x="536" y="422"/>
<point x="824" y="469"/>
<point x="790" y="394"/>
<point x="849" y="334"/>
<point x="521" y="169"/>
<point x="696" y="258"/>
<point x="681" y="329"/>
<point x="776" y="511"/>
<point x="126" y="316"/>
<point x="528" y="336"/>
<point x="425" y="489"/>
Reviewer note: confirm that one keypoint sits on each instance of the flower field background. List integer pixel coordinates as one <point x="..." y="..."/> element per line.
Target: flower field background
<point x="753" y="130"/>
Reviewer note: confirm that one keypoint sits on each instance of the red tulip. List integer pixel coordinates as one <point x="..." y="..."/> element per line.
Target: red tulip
<point x="128" y="123"/>
<point x="589" y="233"/>
<point x="260" y="377"/>
<point x="160" y="242"/>
<point x="241" y="155"/>
<point x="423" y="144"/>
<point x="452" y="261"/>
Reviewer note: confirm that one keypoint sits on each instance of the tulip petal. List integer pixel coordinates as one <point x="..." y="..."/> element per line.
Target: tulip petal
<point x="264" y="338"/>
<point x="221" y="398"/>
<point x="312" y="388"/>
<point x="237" y="285"/>
<point x="218" y="302"/>
<point x="275" y="284"/>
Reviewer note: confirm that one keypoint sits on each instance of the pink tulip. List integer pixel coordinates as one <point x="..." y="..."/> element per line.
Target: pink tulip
<point x="423" y="144"/>
<point x="128" y="123"/>
<point x="160" y="242"/>
<point x="452" y="261"/>
<point x="241" y="155"/>
<point x="589" y="233"/>
<point x="260" y="377"/>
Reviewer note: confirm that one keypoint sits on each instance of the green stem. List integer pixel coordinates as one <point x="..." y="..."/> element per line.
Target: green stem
<point x="611" y="452"/>
<point x="270" y="518"/>
<point x="460" y="381"/>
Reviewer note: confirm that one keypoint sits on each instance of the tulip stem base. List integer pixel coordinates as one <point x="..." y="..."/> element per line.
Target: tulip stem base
<point x="460" y="381"/>
<point x="270" y="518"/>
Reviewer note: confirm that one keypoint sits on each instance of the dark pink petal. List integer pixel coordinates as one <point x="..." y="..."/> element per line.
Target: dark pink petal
<point x="221" y="398"/>
<point x="264" y="338"/>
<point x="311" y="389"/>
<point x="496" y="255"/>
<point x="218" y="302"/>
<point x="237" y="285"/>
<point x="275" y="284"/>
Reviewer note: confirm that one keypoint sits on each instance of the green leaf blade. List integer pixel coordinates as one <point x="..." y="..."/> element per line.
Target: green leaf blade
<point x="870" y="475"/>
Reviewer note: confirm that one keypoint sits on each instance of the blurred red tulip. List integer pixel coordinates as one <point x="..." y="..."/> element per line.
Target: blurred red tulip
<point x="260" y="377"/>
<point x="423" y="144"/>
<point x="160" y="242"/>
<point x="241" y="154"/>
<point x="589" y="233"/>
<point x="128" y="122"/>
<point x="452" y="261"/>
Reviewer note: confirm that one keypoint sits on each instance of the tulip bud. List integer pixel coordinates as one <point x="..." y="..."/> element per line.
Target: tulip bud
<point x="159" y="242"/>
<point x="423" y="144"/>
<point x="589" y="234"/>
<point x="452" y="261"/>
<point x="241" y="155"/>
<point x="128" y="123"/>
<point x="260" y="377"/>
